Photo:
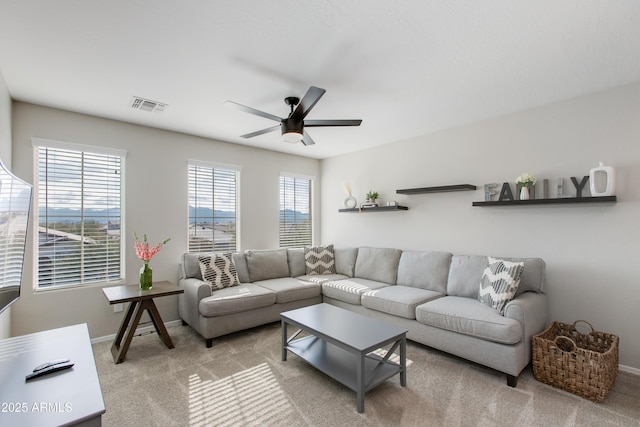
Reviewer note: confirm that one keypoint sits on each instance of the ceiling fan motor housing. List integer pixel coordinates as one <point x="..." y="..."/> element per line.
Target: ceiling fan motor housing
<point x="291" y="125"/>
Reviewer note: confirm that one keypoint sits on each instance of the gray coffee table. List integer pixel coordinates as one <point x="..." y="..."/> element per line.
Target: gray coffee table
<point x="341" y="345"/>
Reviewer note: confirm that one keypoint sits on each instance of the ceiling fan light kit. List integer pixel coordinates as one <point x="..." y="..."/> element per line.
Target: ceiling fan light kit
<point x="292" y="130"/>
<point x="292" y="127"/>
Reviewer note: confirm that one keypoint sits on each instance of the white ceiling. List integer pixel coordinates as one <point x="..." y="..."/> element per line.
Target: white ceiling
<point x="406" y="68"/>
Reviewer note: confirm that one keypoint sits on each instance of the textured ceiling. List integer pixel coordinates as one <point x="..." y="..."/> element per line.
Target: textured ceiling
<point x="406" y="68"/>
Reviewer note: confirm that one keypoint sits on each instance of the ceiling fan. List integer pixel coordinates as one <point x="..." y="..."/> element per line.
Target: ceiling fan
<point x="293" y="126"/>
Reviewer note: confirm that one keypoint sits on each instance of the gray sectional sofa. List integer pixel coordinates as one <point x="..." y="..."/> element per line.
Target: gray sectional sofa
<point x="434" y="295"/>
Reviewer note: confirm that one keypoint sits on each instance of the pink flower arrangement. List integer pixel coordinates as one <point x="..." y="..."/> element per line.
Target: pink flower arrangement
<point x="143" y="250"/>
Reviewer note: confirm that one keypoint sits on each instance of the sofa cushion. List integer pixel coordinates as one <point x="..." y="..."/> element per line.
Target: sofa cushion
<point x="346" y="260"/>
<point x="465" y="274"/>
<point x="349" y="290"/>
<point x="466" y="271"/>
<point x="470" y="317"/>
<point x="191" y="265"/>
<point x="499" y="283"/>
<point x="219" y="270"/>
<point x="425" y="270"/>
<point x="267" y="264"/>
<point x="295" y="258"/>
<point x="398" y="300"/>
<point x="532" y="276"/>
<point x="241" y="267"/>
<point x="378" y="264"/>
<point x="288" y="289"/>
<point x="236" y="299"/>
<point x="319" y="260"/>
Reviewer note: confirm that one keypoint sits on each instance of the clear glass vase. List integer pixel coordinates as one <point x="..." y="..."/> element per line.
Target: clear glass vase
<point x="146" y="277"/>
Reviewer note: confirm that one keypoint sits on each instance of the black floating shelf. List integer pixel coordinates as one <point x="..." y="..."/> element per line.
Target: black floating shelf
<point x="440" y="189"/>
<point x="376" y="209"/>
<point x="561" y="201"/>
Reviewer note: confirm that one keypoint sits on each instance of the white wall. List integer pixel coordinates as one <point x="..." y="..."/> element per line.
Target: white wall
<point x="155" y="204"/>
<point x="591" y="251"/>
<point x="5" y="156"/>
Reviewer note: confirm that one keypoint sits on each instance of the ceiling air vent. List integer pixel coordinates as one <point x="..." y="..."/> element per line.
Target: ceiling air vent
<point x="138" y="103"/>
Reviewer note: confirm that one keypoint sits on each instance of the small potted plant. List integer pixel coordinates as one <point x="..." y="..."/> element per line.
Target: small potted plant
<point x="372" y="196"/>
<point x="526" y="180"/>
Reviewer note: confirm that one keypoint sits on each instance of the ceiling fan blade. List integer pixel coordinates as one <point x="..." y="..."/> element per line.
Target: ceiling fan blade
<point x="310" y="99"/>
<point x="318" y="123"/>
<point x="251" y="111"/>
<point x="260" y="132"/>
<point x="307" y="140"/>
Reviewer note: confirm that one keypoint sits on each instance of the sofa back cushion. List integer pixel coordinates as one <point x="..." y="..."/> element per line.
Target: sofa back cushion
<point x="191" y="265"/>
<point x="297" y="265"/>
<point x="267" y="264"/>
<point x="425" y="270"/>
<point x="378" y="264"/>
<point x="241" y="267"/>
<point x="346" y="260"/>
<point x="466" y="271"/>
<point x="533" y="275"/>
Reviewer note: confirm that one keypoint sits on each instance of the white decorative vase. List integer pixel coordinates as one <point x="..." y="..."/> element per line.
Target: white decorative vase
<point x="350" y="202"/>
<point x="524" y="193"/>
<point x="602" y="180"/>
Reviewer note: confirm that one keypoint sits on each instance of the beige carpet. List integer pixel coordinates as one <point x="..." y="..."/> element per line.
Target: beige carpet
<point x="241" y="381"/>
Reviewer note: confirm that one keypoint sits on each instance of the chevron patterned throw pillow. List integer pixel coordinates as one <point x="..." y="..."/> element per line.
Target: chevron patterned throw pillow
<point x="499" y="283"/>
<point x="219" y="270"/>
<point x="320" y="259"/>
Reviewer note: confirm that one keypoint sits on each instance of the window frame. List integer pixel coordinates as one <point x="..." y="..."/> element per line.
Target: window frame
<point x="311" y="207"/>
<point x="39" y="143"/>
<point x="213" y="166"/>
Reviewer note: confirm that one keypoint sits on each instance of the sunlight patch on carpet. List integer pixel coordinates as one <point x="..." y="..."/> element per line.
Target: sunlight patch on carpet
<point x="395" y="357"/>
<point x="251" y="397"/>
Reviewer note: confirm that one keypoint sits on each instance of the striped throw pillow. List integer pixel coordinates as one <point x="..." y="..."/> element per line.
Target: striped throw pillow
<point x="218" y="270"/>
<point x="499" y="283"/>
<point x="320" y="260"/>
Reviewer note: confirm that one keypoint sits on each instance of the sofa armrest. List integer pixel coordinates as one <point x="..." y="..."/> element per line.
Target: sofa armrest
<point x="530" y="309"/>
<point x="188" y="302"/>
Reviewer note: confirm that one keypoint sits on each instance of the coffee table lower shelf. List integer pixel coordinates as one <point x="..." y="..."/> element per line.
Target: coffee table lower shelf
<point x="340" y="364"/>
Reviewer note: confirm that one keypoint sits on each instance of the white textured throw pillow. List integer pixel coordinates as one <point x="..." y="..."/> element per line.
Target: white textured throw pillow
<point x="320" y="259"/>
<point x="499" y="283"/>
<point x="219" y="270"/>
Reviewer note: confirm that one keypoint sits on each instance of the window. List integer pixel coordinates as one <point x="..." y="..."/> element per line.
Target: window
<point x="213" y="207"/>
<point x="295" y="211"/>
<point x="79" y="200"/>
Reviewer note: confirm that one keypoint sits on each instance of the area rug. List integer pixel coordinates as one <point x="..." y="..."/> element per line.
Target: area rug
<point x="242" y="381"/>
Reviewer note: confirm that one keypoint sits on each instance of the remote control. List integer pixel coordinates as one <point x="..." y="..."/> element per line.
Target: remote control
<point x="48" y="370"/>
<point x="46" y="365"/>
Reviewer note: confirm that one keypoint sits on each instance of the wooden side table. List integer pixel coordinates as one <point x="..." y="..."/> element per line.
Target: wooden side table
<point x="139" y="302"/>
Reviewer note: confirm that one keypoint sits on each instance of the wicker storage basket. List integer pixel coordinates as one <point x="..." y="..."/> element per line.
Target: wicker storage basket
<point x="583" y="364"/>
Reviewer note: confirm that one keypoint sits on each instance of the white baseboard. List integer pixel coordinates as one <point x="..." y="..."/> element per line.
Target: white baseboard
<point x="141" y="329"/>
<point x="629" y="369"/>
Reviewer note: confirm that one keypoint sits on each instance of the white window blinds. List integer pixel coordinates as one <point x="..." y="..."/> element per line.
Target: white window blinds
<point x="295" y="211"/>
<point x="213" y="208"/>
<point x="79" y="216"/>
